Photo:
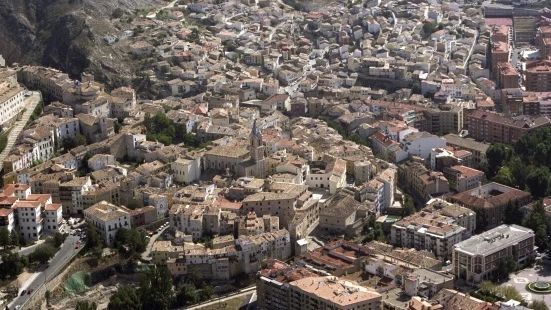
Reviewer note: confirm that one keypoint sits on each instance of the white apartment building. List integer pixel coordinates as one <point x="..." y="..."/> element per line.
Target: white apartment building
<point x="108" y="218"/>
<point x="53" y="217"/>
<point x="30" y="215"/>
<point x="12" y="97"/>
<point x="42" y="140"/>
<point x="421" y="144"/>
<point x="477" y="258"/>
<point x="7" y="219"/>
<point x="186" y="170"/>
<point x="427" y="231"/>
<point x="332" y="177"/>
<point x="66" y="128"/>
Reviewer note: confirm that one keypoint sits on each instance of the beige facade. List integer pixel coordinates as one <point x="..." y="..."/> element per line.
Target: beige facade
<point x="331" y="293"/>
<point x="477" y="259"/>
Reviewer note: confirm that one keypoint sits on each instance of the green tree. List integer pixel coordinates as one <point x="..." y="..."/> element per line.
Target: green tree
<point x="429" y="28"/>
<point x="206" y="293"/>
<point x="409" y="206"/>
<point x="11" y="266"/>
<point x="538" y="182"/>
<point x="504" y="176"/>
<point x="481" y="221"/>
<point x="159" y="128"/>
<point x="14" y="238"/>
<point x="4" y="237"/>
<point x="497" y="154"/>
<point x="130" y="243"/>
<point x="186" y="295"/>
<point x="85" y="305"/>
<point x="539" y="305"/>
<point x="58" y="239"/>
<point x="156" y="289"/>
<point x="512" y="213"/>
<point x="135" y="204"/>
<point x="94" y="243"/>
<point x="506" y="266"/>
<point x="126" y="298"/>
<point x="536" y="221"/>
<point x="43" y="253"/>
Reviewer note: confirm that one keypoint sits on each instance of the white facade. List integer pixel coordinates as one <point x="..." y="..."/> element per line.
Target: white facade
<point x="42" y="141"/>
<point x="53" y="217"/>
<point x="186" y="170"/>
<point x="69" y="128"/>
<point x="108" y="218"/>
<point x="421" y="144"/>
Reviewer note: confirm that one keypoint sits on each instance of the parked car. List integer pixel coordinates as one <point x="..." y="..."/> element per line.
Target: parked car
<point x="23" y="292"/>
<point x="30" y="291"/>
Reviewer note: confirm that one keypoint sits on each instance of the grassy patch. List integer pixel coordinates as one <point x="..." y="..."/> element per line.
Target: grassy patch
<point x="234" y="303"/>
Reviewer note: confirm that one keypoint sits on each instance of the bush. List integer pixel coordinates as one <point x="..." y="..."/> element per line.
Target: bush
<point x="117" y="13"/>
<point x="3" y="141"/>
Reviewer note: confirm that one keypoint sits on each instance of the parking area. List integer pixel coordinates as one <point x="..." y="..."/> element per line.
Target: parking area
<point x="540" y="272"/>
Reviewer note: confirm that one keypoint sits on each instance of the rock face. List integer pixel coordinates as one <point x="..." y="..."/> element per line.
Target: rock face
<point x="64" y="34"/>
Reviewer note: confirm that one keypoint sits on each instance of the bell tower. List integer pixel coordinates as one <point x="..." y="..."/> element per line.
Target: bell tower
<point x="256" y="144"/>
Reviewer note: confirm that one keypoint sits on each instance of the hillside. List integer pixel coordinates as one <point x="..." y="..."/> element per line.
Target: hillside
<point x="66" y="34"/>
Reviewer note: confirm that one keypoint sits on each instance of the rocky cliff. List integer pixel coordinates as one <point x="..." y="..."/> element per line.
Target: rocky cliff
<point x="65" y="34"/>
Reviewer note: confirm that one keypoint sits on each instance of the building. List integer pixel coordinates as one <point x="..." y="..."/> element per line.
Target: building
<point x="458" y="215"/>
<point x="12" y="97"/>
<point x="463" y="178"/>
<point x="331" y="293"/>
<point x="427" y="231"/>
<point x="272" y="282"/>
<point x="507" y="75"/>
<point x="186" y="170"/>
<point x="538" y="76"/>
<point x="543" y="40"/>
<point x="422" y="181"/>
<point x="477" y="258"/>
<point x="329" y="173"/>
<point x="499" y="53"/>
<point x="107" y="219"/>
<point x="341" y="213"/>
<point x="478" y="149"/>
<point x="338" y="258"/>
<point x="491" y="200"/>
<point x="447" y="118"/>
<point x="421" y="143"/>
<point x="494" y="128"/>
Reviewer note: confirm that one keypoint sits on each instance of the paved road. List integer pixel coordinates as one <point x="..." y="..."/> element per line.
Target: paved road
<point x="30" y="103"/>
<point x="244" y="292"/>
<point x="62" y="257"/>
<point x="28" y="250"/>
<point x="542" y="271"/>
<point x="145" y="254"/>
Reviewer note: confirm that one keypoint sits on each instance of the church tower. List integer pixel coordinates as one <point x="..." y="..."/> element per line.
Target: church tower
<point x="256" y="146"/>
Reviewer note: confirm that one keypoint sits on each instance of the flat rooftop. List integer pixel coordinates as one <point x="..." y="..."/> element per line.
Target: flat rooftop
<point x="494" y="239"/>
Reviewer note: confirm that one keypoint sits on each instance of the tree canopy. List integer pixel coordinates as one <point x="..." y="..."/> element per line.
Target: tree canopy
<point x="156" y="289"/>
<point x="130" y="243"/>
<point x="159" y="128"/>
<point x="85" y="305"/>
<point x="525" y="165"/>
<point x="125" y="298"/>
<point x="536" y="221"/>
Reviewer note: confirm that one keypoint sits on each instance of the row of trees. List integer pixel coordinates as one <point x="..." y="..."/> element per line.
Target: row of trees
<point x="156" y="292"/>
<point x="13" y="264"/>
